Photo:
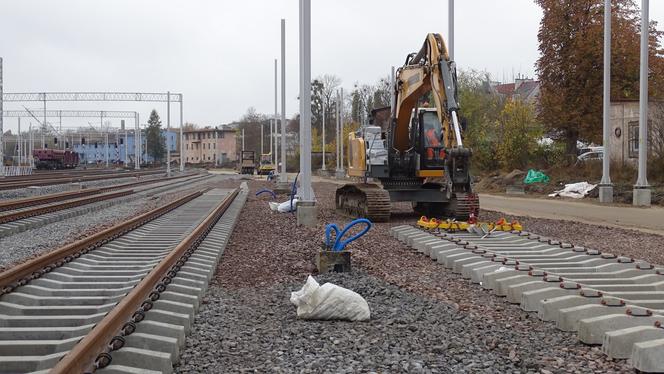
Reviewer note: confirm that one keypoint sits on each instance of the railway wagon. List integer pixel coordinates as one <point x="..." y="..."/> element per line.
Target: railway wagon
<point x="55" y="159"/>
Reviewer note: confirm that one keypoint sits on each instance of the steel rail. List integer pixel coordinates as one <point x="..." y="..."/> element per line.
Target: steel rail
<point x="62" y="196"/>
<point x="45" y="199"/>
<point x="38" y="266"/>
<point x="91" y="352"/>
<point x="59" y="180"/>
<point x="36" y="211"/>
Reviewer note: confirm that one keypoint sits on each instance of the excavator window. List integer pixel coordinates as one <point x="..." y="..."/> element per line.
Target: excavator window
<point x="433" y="154"/>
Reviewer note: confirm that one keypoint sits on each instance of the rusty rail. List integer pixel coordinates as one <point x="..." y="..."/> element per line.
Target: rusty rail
<point x="63" y="196"/>
<point x="36" y="267"/>
<point x="44" y="199"/>
<point x="91" y="351"/>
<point x="8" y="185"/>
<point x="22" y="214"/>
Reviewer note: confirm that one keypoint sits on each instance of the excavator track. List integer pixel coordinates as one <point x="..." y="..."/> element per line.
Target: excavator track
<point x="466" y="204"/>
<point x="364" y="201"/>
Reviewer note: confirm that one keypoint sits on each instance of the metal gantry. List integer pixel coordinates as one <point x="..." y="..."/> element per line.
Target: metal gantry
<point x="102" y="114"/>
<point x="44" y="97"/>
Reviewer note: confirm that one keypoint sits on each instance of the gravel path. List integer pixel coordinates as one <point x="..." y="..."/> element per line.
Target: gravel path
<point x="25" y="245"/>
<point x="248" y="321"/>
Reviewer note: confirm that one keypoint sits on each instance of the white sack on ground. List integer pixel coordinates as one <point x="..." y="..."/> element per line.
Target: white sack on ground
<point x="329" y="301"/>
<point x="575" y="190"/>
<point x="285" y="207"/>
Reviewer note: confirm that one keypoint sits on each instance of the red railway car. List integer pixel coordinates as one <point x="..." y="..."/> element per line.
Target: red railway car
<point x="55" y="159"/>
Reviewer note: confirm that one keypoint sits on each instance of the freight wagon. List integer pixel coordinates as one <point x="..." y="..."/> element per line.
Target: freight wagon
<point x="55" y="159"/>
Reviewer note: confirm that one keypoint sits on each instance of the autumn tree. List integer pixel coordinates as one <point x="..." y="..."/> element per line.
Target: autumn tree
<point x="570" y="65"/>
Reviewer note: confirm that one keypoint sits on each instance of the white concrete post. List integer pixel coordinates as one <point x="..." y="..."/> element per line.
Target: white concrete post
<point x="337" y="133"/>
<point x="323" y="142"/>
<point x="641" y="194"/>
<point x="20" y="144"/>
<point x="283" y="178"/>
<point x="181" y="136"/>
<point x="2" y="129"/>
<point x="275" y="107"/>
<point x="137" y="144"/>
<point x="450" y="42"/>
<point x="305" y="101"/>
<point x="343" y="136"/>
<point x="168" y="128"/>
<point x="605" y="187"/>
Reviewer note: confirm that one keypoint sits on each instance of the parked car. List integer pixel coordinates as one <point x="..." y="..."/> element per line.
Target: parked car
<point x="590" y="156"/>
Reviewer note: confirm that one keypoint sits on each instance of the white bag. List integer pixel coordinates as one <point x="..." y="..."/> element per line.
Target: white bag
<point x="285" y="207"/>
<point x="329" y="302"/>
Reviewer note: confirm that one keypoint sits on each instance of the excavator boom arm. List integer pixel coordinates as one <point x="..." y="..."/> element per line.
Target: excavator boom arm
<point x="430" y="69"/>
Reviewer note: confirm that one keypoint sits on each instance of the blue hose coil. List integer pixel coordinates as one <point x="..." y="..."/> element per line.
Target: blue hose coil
<point x="339" y="243"/>
<point x="264" y="190"/>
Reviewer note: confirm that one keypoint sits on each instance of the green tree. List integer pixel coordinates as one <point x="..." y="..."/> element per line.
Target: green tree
<point x="156" y="141"/>
<point x="570" y="65"/>
<point x="481" y="110"/>
<point x="519" y="132"/>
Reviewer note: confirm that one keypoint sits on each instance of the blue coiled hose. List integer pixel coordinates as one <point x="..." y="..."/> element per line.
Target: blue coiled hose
<point x="265" y="190"/>
<point x="339" y="244"/>
<point x="293" y="191"/>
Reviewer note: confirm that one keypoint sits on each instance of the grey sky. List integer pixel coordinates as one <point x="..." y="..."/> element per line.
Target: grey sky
<point x="220" y="54"/>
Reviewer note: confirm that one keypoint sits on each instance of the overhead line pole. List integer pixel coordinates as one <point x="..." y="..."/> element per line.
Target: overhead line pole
<point x="283" y="178"/>
<point x="276" y="156"/>
<point x="450" y="42"/>
<point x="306" y="207"/>
<point x="605" y="186"/>
<point x="642" y="193"/>
<point x="182" y="137"/>
<point x="323" y="166"/>
<point x="168" y="129"/>
<point x="2" y="130"/>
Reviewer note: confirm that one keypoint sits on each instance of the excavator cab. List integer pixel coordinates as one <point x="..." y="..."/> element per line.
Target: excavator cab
<point x="431" y="148"/>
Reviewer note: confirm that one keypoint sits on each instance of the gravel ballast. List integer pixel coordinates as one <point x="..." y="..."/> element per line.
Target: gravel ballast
<point x="247" y="323"/>
<point x="22" y="246"/>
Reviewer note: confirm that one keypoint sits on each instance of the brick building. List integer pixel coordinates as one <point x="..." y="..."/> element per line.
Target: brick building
<point x="209" y="145"/>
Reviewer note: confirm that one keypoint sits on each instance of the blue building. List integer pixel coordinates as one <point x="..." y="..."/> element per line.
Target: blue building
<point x="94" y="148"/>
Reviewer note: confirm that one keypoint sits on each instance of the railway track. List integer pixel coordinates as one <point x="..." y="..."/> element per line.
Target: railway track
<point x="11" y="184"/>
<point x="34" y="216"/>
<point x="121" y="300"/>
<point x="22" y="203"/>
<point x="608" y="300"/>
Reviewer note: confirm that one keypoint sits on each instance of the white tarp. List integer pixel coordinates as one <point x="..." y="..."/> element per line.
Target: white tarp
<point x="574" y="190"/>
<point x="329" y="301"/>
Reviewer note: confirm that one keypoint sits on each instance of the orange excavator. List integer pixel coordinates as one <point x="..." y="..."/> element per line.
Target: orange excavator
<point x="418" y="155"/>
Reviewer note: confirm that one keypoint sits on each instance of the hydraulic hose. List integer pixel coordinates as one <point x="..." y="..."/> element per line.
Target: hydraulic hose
<point x="339" y="243"/>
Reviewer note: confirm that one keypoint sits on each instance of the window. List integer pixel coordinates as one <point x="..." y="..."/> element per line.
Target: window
<point x="186" y="136"/>
<point x="215" y="145"/>
<point x="214" y="156"/>
<point x="209" y="135"/>
<point x="633" y="139"/>
<point x="209" y="145"/>
<point x="187" y="159"/>
<point x="186" y="146"/>
<point x="199" y="136"/>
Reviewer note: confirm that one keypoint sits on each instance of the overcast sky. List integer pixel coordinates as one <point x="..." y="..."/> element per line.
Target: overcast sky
<point x="220" y="54"/>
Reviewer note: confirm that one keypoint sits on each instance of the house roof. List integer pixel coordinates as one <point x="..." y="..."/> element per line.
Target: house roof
<point x="505" y="89"/>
